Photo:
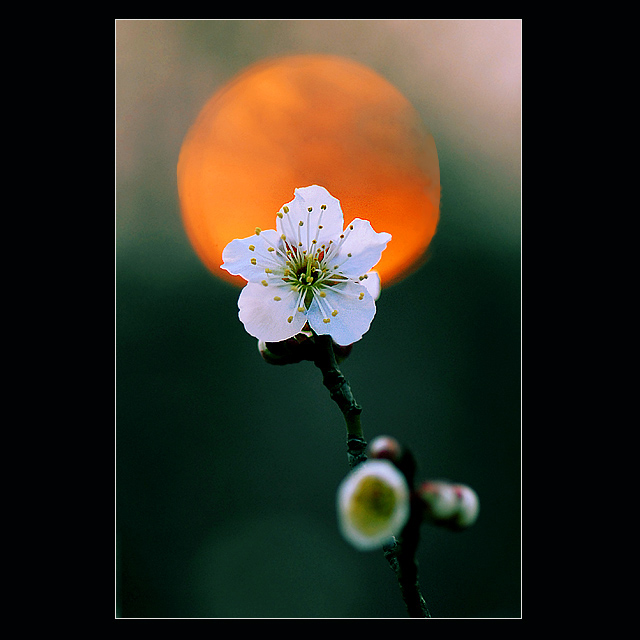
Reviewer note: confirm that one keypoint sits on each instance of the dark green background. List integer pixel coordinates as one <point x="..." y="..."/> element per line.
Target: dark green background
<point x="226" y="467"/>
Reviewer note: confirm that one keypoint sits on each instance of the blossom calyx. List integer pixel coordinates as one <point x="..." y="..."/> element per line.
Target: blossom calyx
<point x="293" y="350"/>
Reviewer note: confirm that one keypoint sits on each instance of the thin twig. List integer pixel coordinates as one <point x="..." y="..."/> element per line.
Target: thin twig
<point x="402" y="555"/>
<point x="341" y="394"/>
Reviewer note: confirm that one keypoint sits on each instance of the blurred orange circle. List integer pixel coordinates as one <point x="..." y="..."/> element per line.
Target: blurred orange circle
<point x="300" y="120"/>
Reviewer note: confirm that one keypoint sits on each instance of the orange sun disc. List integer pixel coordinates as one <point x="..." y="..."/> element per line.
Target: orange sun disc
<point x="309" y="119"/>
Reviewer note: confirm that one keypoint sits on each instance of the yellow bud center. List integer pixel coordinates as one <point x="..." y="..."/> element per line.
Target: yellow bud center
<point x="372" y="505"/>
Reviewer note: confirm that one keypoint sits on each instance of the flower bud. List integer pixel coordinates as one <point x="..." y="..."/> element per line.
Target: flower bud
<point x="455" y="506"/>
<point x="373" y="504"/>
<point x="468" y="505"/>
<point x="384" y="447"/>
<point x="440" y="500"/>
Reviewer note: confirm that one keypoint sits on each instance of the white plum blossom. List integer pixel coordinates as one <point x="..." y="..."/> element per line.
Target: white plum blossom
<point x="373" y="504"/>
<point x="310" y="271"/>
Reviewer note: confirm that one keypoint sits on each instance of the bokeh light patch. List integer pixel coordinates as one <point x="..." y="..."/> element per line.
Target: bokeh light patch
<point x="300" y="120"/>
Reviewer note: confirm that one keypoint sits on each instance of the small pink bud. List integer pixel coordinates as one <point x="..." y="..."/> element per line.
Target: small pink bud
<point x="455" y="506"/>
<point x="468" y="505"/>
<point x="440" y="500"/>
<point x="384" y="447"/>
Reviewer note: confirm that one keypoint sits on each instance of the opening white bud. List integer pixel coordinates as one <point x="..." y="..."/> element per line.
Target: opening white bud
<point x="373" y="504"/>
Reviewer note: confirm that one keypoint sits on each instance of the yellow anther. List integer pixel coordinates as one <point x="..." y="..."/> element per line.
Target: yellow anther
<point x="351" y="227"/>
<point x="283" y="237"/>
<point x="322" y="294"/>
<point x="309" y="279"/>
<point x="310" y="209"/>
<point x="301" y="223"/>
<point x="323" y="206"/>
<point x="264" y="283"/>
<point x="279" y="214"/>
<point x="301" y="309"/>
<point x="285" y="209"/>
<point x="253" y="260"/>
<point x="277" y="298"/>
<point x="334" y="313"/>
<point x="270" y="249"/>
<point x="348" y="255"/>
<point x="258" y="231"/>
<point x="326" y="320"/>
<point x="267" y="270"/>
<point x="290" y="319"/>
<point x="361" y="295"/>
<point x="252" y="247"/>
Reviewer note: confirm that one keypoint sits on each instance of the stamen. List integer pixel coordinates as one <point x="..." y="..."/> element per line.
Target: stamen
<point x="253" y="261"/>
<point x="258" y="231"/>
<point x="322" y="208"/>
<point x="299" y="304"/>
<point x="285" y="209"/>
<point x="361" y="295"/>
<point x="343" y="236"/>
<point x="265" y="283"/>
<point x="272" y="248"/>
<point x="277" y="298"/>
<point x="326" y="320"/>
<point x="334" y="313"/>
<point x="290" y="319"/>
<point x="252" y="247"/>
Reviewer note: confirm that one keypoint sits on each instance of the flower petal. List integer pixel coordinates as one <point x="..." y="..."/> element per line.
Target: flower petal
<point x="372" y="284"/>
<point x="323" y="223"/>
<point x="237" y="256"/>
<point x="362" y="248"/>
<point x="355" y="309"/>
<point x="269" y="312"/>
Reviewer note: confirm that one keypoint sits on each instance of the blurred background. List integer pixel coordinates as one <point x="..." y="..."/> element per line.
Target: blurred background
<point x="226" y="467"/>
